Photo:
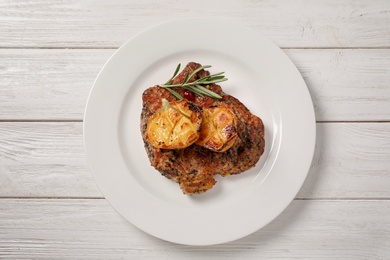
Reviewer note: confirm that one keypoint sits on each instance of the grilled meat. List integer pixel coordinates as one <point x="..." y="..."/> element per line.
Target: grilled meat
<point x="194" y="167"/>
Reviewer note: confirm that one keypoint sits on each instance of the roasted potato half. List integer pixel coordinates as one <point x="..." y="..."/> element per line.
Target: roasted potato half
<point x="175" y="126"/>
<point x="219" y="129"/>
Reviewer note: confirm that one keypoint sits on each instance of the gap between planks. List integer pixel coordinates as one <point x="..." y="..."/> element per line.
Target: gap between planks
<point x="49" y="198"/>
<point x="81" y="120"/>
<point x="345" y="199"/>
<point x="103" y="198"/>
<point x="117" y="47"/>
<point x="351" y="121"/>
<point x="41" y="120"/>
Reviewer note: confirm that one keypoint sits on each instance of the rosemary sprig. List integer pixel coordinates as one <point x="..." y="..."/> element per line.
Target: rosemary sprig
<point x="174" y="74"/>
<point x="197" y="86"/>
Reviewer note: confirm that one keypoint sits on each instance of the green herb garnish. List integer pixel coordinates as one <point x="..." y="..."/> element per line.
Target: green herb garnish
<point x="198" y="86"/>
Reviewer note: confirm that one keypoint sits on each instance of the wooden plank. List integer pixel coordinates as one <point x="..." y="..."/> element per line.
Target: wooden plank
<point x="54" y="84"/>
<point x="91" y="229"/>
<point x="47" y="160"/>
<point x="96" y="24"/>
<point x="346" y="85"/>
<point x="47" y="84"/>
<point x="44" y="159"/>
<point x="352" y="160"/>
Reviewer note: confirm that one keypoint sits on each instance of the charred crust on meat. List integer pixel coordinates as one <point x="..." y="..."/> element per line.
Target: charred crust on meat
<point x="194" y="167"/>
<point x="193" y="172"/>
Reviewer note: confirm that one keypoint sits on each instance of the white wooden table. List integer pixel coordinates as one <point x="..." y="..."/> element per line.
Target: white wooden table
<point x="50" y="53"/>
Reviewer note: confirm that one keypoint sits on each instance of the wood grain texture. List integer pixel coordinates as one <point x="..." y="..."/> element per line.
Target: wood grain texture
<point x="51" y="52"/>
<point x="48" y="160"/>
<point x="351" y="160"/>
<point x="99" y="24"/>
<point x="91" y="229"/>
<point x="47" y="84"/>
<point x="54" y="84"/>
<point x="44" y="159"/>
<point x="346" y="85"/>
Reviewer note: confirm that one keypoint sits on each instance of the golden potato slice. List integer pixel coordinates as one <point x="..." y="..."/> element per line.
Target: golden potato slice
<point x="219" y="129"/>
<point x="176" y="126"/>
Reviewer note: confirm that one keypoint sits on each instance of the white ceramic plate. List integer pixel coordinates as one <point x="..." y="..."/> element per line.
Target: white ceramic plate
<point x="260" y="75"/>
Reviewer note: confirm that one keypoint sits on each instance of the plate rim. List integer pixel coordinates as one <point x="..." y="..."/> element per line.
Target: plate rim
<point x="195" y="20"/>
